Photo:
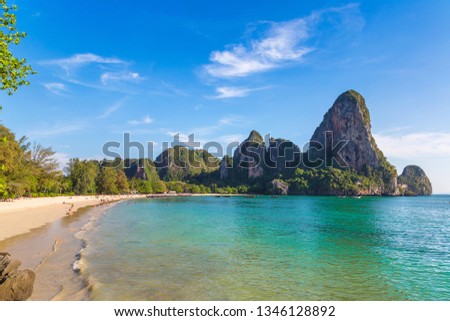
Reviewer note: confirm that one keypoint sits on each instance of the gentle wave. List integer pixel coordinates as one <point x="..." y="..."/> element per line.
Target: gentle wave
<point x="80" y="265"/>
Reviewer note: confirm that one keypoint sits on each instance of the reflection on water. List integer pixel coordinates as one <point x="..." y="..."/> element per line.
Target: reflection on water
<point x="287" y="248"/>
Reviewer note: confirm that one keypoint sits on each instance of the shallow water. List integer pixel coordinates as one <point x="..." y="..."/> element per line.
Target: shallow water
<point x="263" y="248"/>
<point x="51" y="251"/>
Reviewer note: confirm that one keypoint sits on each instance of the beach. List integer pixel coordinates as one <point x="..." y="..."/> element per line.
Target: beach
<point x="235" y="248"/>
<point x="45" y="234"/>
<point x="25" y="214"/>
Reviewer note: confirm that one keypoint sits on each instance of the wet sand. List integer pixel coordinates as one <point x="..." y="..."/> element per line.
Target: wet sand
<point x="52" y="250"/>
<point x="23" y="215"/>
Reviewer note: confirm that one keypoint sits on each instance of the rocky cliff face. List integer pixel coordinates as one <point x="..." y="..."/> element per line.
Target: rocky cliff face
<point x="15" y="285"/>
<point x="282" y="157"/>
<point x="254" y="158"/>
<point x="225" y="165"/>
<point x="248" y="158"/>
<point x="352" y="163"/>
<point x="413" y="181"/>
<point x="348" y="122"/>
<point x="278" y="187"/>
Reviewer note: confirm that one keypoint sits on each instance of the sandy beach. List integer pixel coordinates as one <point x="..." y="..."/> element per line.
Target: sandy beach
<point x="40" y="232"/>
<point x="23" y="215"/>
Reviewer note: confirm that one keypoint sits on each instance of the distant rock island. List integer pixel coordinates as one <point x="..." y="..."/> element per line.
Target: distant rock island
<point x="342" y="159"/>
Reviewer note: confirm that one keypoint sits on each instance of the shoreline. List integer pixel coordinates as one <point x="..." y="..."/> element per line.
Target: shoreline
<point x="27" y="214"/>
<point x="42" y="233"/>
<point x="55" y="251"/>
<point x="47" y="236"/>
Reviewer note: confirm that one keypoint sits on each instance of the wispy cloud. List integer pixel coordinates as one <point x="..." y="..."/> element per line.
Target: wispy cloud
<point x="114" y="107"/>
<point x="174" y="89"/>
<point x="414" y="145"/>
<point x="281" y="43"/>
<point x="59" y="128"/>
<point x="233" y="92"/>
<point x="56" y="88"/>
<point x="232" y="138"/>
<point x="97" y="72"/>
<point x="79" y="60"/>
<point x="109" y="77"/>
<point x="144" y="121"/>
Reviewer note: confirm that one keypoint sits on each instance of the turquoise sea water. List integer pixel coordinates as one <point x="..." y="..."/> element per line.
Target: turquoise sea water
<point x="263" y="248"/>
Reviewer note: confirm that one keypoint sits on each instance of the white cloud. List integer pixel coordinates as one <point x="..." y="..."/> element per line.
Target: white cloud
<point x="55" y="87"/>
<point x="282" y="43"/>
<point x="97" y="72"/>
<point x="108" y="77"/>
<point x="79" y="60"/>
<point x="230" y="92"/>
<point x="429" y="150"/>
<point x="233" y="92"/>
<point x="58" y="129"/>
<point x="144" y="121"/>
<point x="111" y="109"/>
<point x="414" y="145"/>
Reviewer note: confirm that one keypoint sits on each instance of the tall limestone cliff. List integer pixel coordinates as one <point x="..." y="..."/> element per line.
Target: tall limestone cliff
<point x="348" y="120"/>
<point x="343" y="159"/>
<point x="248" y="158"/>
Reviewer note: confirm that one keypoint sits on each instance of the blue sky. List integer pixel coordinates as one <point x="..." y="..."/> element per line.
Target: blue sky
<point x="220" y="69"/>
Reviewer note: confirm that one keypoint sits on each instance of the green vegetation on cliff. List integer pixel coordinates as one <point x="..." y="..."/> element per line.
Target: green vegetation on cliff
<point x="414" y="181"/>
<point x="354" y="95"/>
<point x="180" y="163"/>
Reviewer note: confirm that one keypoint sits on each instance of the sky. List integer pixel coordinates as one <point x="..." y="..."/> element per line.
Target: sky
<point x="219" y="69"/>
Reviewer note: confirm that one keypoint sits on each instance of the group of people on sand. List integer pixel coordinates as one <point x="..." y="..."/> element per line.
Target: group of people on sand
<point x="103" y="201"/>
<point x="69" y="211"/>
<point x="106" y="200"/>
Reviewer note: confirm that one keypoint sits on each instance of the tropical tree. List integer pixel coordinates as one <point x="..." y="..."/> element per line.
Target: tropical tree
<point x="107" y="181"/>
<point x="13" y="71"/>
<point x="83" y="174"/>
<point x="122" y="182"/>
<point x="13" y="170"/>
